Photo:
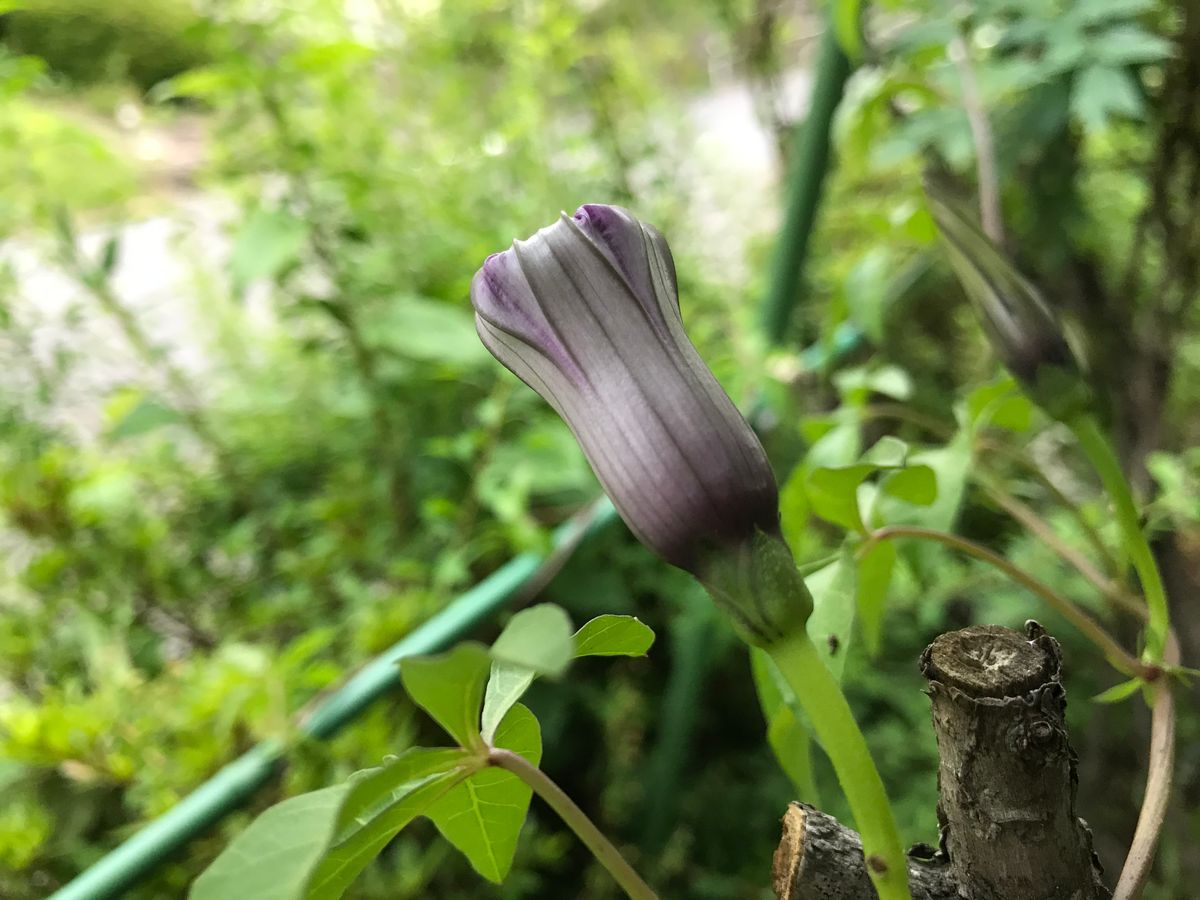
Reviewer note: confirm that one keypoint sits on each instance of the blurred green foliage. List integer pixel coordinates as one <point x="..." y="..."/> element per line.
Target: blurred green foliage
<point x="94" y="40"/>
<point x="194" y="549"/>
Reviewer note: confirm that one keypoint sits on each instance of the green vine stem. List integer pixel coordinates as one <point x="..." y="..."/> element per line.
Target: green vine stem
<point x="821" y="697"/>
<point x="1117" y="655"/>
<point x="576" y="819"/>
<point x="1096" y="446"/>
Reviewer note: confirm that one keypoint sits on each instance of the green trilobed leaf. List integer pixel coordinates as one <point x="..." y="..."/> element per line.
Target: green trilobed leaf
<point x="608" y="635"/>
<point x="450" y="688"/>
<point x="483" y="815"/>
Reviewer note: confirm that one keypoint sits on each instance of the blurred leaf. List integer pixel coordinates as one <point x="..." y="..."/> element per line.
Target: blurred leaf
<point x="268" y="243"/>
<point x="833" y="493"/>
<point x="1119" y="692"/>
<point x="1101" y="92"/>
<point x="539" y="639"/>
<point x="611" y="635"/>
<point x="788" y="737"/>
<point x="1124" y="45"/>
<point x="450" y="688"/>
<point x="106" y="493"/>
<point x="857" y="385"/>
<point x="792" y="746"/>
<point x="483" y="815"/>
<point x="203" y="83"/>
<point x="915" y="484"/>
<point x="832" y="621"/>
<point x="837" y="445"/>
<point x="874" y="576"/>
<point x="292" y="835"/>
<point x="145" y="417"/>
<point x="317" y="58"/>
<point x="430" y="331"/>
<point x="845" y="20"/>
<point x="867" y="291"/>
<point x="888" y="451"/>
<point x="999" y="404"/>
<point x="108" y="258"/>
<point x="951" y="464"/>
<point x="1097" y="12"/>
<point x="794" y="509"/>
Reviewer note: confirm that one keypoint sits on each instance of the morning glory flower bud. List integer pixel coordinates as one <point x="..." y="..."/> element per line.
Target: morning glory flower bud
<point x="1021" y="327"/>
<point x="586" y="312"/>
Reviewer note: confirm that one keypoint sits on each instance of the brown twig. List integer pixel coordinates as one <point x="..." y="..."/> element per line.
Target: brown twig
<point x="981" y="133"/>
<point x="1120" y="658"/>
<point x="1038" y="527"/>
<point x="1159" y="775"/>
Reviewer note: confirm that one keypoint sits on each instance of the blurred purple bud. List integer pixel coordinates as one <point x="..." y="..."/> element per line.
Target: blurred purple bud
<point x="1021" y="327"/>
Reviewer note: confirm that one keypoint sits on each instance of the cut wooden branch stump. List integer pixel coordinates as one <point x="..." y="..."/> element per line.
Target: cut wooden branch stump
<point x="820" y="857"/>
<point x="1006" y="785"/>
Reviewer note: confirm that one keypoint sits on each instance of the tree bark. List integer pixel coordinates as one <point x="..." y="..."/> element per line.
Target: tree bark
<point x="1006" y="778"/>
<point x="821" y="859"/>
<point x="1006" y="784"/>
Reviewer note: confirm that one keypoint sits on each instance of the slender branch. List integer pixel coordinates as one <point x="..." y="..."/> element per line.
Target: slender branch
<point x="1094" y="537"/>
<point x="1092" y="630"/>
<point x="1158" y="785"/>
<point x="945" y="431"/>
<point x="576" y="819"/>
<point x="1038" y="527"/>
<point x="820" y="695"/>
<point x="981" y="133"/>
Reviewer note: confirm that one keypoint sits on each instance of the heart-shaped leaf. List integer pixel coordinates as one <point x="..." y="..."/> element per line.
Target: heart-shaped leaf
<point x="450" y="688"/>
<point x="483" y="815"/>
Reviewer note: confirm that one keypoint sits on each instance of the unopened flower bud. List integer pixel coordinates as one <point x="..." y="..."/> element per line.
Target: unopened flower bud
<point x="586" y="312"/>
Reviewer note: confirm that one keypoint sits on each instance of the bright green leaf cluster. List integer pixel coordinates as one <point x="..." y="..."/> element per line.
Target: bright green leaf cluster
<point x="312" y="847"/>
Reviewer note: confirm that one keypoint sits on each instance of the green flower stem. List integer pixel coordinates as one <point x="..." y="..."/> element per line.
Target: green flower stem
<point x="1118" y="656"/>
<point x="576" y="819"/>
<point x="821" y="696"/>
<point x="1099" y="451"/>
